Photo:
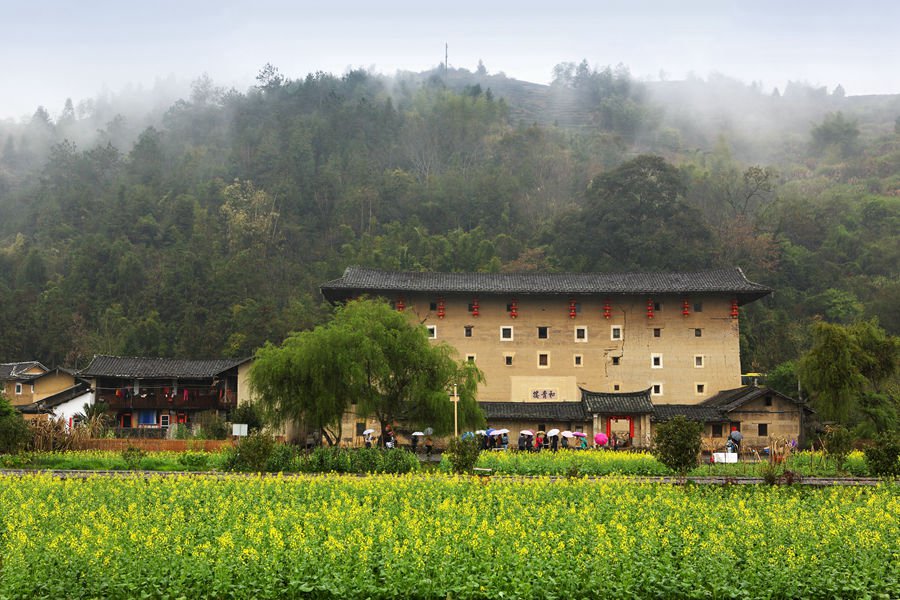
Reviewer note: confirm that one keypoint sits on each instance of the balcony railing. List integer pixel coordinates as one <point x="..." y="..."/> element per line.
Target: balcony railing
<point x="160" y="401"/>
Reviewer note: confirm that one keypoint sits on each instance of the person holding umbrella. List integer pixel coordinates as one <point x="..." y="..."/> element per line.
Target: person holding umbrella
<point x="367" y="436"/>
<point x="735" y="438"/>
<point x="553" y="436"/>
<point x="522" y="442"/>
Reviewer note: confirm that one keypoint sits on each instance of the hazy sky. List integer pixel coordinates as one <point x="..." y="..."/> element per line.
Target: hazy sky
<point x="51" y="50"/>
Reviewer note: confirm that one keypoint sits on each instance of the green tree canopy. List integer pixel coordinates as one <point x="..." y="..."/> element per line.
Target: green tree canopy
<point x="848" y="369"/>
<point x="372" y="356"/>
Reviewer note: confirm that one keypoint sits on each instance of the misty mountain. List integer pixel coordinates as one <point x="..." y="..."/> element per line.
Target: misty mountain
<point x="201" y="224"/>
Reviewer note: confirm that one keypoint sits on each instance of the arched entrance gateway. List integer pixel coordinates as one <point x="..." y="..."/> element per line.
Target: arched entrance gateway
<point x="624" y="416"/>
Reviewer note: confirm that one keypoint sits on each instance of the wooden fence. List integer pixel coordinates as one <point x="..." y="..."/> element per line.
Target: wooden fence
<point x="151" y="445"/>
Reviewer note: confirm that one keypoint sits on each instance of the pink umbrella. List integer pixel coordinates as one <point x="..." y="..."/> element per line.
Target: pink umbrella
<point x="579" y="434"/>
<point x="600" y="439"/>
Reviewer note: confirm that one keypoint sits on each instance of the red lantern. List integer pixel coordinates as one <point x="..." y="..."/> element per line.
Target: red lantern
<point x="514" y="309"/>
<point x="572" y="309"/>
<point x="607" y="309"/>
<point x="401" y="306"/>
<point x="734" y="309"/>
<point x="441" y="308"/>
<point x="475" y="307"/>
<point x="649" y="308"/>
<point x="685" y="308"/>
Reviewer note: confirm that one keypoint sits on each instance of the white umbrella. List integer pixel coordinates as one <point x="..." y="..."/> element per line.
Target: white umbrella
<point x="368" y="431"/>
<point x="417" y="433"/>
<point x="527" y="432"/>
<point x="567" y="434"/>
<point x="500" y="431"/>
<point x="480" y="432"/>
<point x="553" y="432"/>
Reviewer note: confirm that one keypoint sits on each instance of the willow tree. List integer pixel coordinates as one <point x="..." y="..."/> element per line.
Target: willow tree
<point x="374" y="357"/>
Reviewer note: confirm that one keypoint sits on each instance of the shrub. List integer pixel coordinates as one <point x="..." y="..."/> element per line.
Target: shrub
<point x="132" y="457"/>
<point x="193" y="461"/>
<point x="838" y="442"/>
<point x="677" y="444"/>
<point x="248" y="414"/>
<point x="252" y="454"/>
<point x="463" y="454"/>
<point x="282" y="459"/>
<point x="211" y="425"/>
<point x="399" y="461"/>
<point x="883" y="457"/>
<point x="14" y="432"/>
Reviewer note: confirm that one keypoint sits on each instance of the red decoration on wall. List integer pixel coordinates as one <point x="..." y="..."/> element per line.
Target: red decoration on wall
<point x="649" y="308"/>
<point x="607" y="309"/>
<point x="475" y="307"/>
<point x="441" y="308"/>
<point x="734" y="309"/>
<point x="514" y="309"/>
<point x="572" y="309"/>
<point x="401" y="306"/>
<point x="685" y="308"/>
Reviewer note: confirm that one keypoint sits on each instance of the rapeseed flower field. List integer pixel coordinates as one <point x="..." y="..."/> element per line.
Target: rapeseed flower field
<point x="437" y="536"/>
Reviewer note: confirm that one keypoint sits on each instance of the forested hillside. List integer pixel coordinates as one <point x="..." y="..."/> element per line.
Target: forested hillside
<point x="207" y="232"/>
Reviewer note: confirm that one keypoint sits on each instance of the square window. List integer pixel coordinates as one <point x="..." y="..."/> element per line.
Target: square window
<point x="768" y="400"/>
<point x="468" y="331"/>
<point x="470" y="358"/>
<point x="616" y="387"/>
<point x="698" y="307"/>
<point x="616" y="332"/>
<point x="763" y="429"/>
<point x="698" y="333"/>
<point x="579" y="360"/>
<point x="717" y="430"/>
<point x="508" y="359"/>
<point x="701" y="388"/>
<point x="698" y="361"/>
<point x="656" y="389"/>
<point x="657" y="332"/>
<point x="18" y="388"/>
<point x="656" y="361"/>
<point x="432" y="332"/>
<point x="616" y="360"/>
<point x="581" y="334"/>
<point x="543" y="359"/>
<point x="360" y="427"/>
<point x="543" y="333"/>
<point x="506" y="334"/>
<point x="432" y="306"/>
<point x="657" y="306"/>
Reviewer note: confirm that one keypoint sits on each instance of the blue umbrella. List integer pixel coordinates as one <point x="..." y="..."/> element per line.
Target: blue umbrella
<point x="489" y="432"/>
<point x="468" y="435"/>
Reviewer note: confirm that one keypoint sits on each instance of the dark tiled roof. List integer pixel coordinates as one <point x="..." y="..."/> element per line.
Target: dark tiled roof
<point x="15" y="370"/>
<point x="359" y="280"/>
<point x="533" y="411"/>
<point x="128" y="367"/>
<point x="691" y="412"/>
<point x="729" y="400"/>
<point x="64" y="396"/>
<point x="624" y="403"/>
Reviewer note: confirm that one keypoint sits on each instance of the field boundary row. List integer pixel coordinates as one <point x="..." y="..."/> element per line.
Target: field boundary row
<point x="666" y="479"/>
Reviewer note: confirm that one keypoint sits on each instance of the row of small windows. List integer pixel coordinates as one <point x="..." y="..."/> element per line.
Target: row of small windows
<point x="507" y="333"/>
<point x="578" y="361"/>
<point x="510" y="307"/>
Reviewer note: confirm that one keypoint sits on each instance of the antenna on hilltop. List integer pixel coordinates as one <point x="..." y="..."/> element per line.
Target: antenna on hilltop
<point x="446" y="59"/>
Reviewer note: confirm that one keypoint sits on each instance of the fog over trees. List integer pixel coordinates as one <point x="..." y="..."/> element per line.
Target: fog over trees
<point x="200" y="223"/>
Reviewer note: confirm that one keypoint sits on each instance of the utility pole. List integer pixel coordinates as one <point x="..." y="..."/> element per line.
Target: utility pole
<point x="455" y="400"/>
<point x="446" y="55"/>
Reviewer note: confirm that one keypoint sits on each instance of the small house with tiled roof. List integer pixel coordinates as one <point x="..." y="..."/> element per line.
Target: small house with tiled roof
<point x="156" y="393"/>
<point x="637" y="341"/>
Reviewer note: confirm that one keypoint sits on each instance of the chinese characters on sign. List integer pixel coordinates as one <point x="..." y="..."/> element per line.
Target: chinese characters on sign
<point x="544" y="395"/>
